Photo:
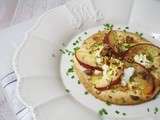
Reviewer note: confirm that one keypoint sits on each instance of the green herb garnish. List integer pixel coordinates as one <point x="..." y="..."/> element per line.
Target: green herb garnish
<point x="71" y="60"/>
<point x="86" y="93"/>
<point x="127" y="27"/>
<point x="74" y="43"/>
<point x="117" y="112"/>
<point x="79" y="82"/>
<point x="72" y="76"/>
<point x="70" y="69"/>
<point x="103" y="112"/>
<point x="155" y="110"/>
<point x="76" y="48"/>
<point x="124" y="30"/>
<point x="140" y="34"/>
<point x="124" y="114"/>
<point x="79" y="38"/>
<point x="108" y="26"/>
<point x="108" y="103"/>
<point x="85" y="33"/>
<point x="62" y="51"/>
<point x="67" y="90"/>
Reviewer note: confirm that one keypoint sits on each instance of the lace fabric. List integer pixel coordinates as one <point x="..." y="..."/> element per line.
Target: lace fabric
<point x="84" y="13"/>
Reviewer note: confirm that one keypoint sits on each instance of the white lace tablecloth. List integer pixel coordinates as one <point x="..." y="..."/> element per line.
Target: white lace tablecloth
<point x="143" y="13"/>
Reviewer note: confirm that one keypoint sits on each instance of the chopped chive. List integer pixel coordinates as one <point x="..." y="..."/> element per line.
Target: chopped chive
<point x="106" y="25"/>
<point x="63" y="44"/>
<point x="70" y="70"/>
<point x="79" y="38"/>
<point x="117" y="112"/>
<point x="79" y="82"/>
<point x="111" y="26"/>
<point x="86" y="93"/>
<point x="127" y="27"/>
<point x="67" y="90"/>
<point x="124" y="114"/>
<point x="104" y="111"/>
<point x="75" y="49"/>
<point x="71" y="60"/>
<point x="66" y="50"/>
<point x="72" y="76"/>
<point x="74" y="43"/>
<point x="124" y="30"/>
<point x="100" y="112"/>
<point x="155" y="110"/>
<point x="77" y="41"/>
<point x="108" y="103"/>
<point x="85" y="33"/>
<point x="141" y="34"/>
<point x="62" y="51"/>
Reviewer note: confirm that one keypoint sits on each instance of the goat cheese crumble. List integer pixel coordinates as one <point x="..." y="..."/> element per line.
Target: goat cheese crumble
<point x="142" y="59"/>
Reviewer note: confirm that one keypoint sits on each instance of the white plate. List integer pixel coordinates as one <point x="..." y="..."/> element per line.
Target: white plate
<point x="78" y="91"/>
<point x="36" y="65"/>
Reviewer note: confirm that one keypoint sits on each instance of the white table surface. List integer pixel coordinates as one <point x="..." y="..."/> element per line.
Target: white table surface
<point x="144" y="13"/>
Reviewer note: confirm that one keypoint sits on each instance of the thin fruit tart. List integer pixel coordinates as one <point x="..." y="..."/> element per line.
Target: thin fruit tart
<point x="119" y="67"/>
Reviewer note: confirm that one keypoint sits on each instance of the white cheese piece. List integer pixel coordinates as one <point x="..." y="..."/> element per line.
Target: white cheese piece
<point x="110" y="72"/>
<point x="98" y="56"/>
<point x="142" y="59"/>
<point x="128" y="72"/>
<point x="105" y="75"/>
